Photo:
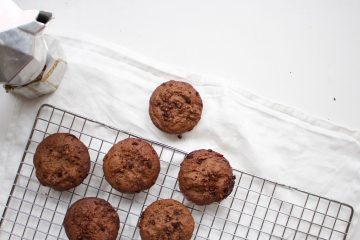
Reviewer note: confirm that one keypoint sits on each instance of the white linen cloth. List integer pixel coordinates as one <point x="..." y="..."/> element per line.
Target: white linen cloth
<point x="113" y="85"/>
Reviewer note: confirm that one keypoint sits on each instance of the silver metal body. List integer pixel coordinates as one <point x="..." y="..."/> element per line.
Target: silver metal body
<point x="23" y="53"/>
<point x="31" y="64"/>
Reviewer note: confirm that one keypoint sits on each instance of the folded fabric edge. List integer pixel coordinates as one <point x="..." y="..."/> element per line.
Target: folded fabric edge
<point x="167" y="71"/>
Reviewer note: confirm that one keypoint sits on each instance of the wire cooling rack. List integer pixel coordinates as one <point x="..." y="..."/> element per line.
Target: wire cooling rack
<point x="257" y="209"/>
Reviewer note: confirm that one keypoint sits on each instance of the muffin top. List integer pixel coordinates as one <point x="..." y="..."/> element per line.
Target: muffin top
<point x="175" y="107"/>
<point x="61" y="161"/>
<point x="92" y="219"/>
<point x="205" y="177"/>
<point x="131" y="165"/>
<point x="166" y="219"/>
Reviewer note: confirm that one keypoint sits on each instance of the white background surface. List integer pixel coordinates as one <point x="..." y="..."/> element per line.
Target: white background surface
<point x="299" y="53"/>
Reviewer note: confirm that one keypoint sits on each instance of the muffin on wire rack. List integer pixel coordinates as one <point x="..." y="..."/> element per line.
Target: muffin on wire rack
<point x="61" y="161"/>
<point x="166" y="219"/>
<point x="205" y="177"/>
<point x="92" y="219"/>
<point x="131" y="165"/>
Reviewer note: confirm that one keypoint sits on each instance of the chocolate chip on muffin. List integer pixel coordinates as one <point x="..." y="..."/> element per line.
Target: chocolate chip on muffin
<point x="91" y="219"/>
<point x="131" y="165"/>
<point x="175" y="107"/>
<point x="166" y="219"/>
<point x="205" y="177"/>
<point x="61" y="161"/>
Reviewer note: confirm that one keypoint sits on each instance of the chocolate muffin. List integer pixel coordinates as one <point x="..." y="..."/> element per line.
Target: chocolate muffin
<point x="175" y="107"/>
<point x="205" y="177"/>
<point x="91" y="219"/>
<point x="61" y="161"/>
<point x="166" y="219"/>
<point x="131" y="165"/>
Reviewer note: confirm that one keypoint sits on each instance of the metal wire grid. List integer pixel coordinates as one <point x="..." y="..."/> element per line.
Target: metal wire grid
<point x="257" y="208"/>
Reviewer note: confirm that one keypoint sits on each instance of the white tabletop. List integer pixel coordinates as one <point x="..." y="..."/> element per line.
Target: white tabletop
<point x="305" y="54"/>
